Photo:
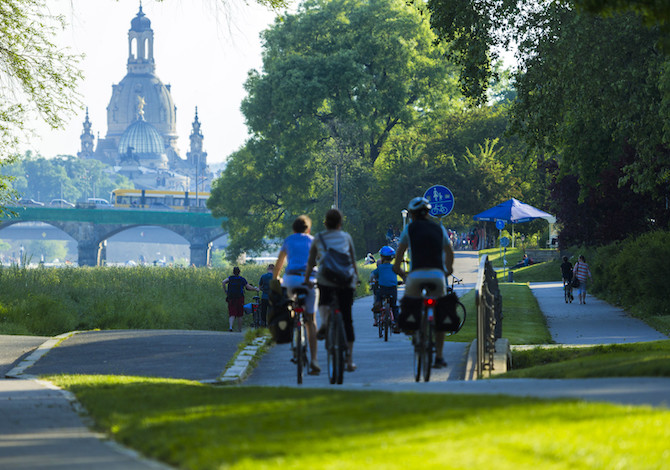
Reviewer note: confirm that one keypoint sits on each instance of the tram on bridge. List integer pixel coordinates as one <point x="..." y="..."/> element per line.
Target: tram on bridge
<point x="154" y="199"/>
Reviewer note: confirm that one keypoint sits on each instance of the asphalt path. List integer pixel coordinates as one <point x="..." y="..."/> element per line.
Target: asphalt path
<point x="41" y="427"/>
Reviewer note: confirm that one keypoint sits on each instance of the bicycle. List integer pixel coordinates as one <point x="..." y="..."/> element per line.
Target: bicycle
<point x="567" y="291"/>
<point x="336" y="344"/>
<point x="386" y="318"/>
<point x="255" y="310"/>
<point x="460" y="308"/>
<point x="299" y="334"/>
<point x="423" y="338"/>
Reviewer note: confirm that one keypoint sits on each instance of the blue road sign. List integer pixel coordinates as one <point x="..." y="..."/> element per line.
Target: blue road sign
<point x="442" y="200"/>
<point x="500" y="224"/>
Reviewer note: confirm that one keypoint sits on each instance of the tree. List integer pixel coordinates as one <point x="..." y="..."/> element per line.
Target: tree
<point x="36" y="75"/>
<point x="339" y="78"/>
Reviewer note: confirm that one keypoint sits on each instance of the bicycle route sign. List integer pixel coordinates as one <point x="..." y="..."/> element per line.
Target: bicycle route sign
<point x="442" y="200"/>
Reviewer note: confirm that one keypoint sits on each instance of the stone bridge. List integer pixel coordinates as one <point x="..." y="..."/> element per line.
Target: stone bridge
<point x="91" y="227"/>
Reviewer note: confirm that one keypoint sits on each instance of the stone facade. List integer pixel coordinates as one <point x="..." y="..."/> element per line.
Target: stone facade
<point x="141" y="139"/>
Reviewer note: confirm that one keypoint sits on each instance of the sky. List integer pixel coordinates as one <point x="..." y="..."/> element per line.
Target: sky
<point x="202" y="51"/>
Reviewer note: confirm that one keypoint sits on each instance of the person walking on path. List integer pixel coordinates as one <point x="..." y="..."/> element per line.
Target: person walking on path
<point x="295" y="252"/>
<point x="235" y="296"/>
<point x="264" y="286"/>
<point x="337" y="239"/>
<point x="582" y="273"/>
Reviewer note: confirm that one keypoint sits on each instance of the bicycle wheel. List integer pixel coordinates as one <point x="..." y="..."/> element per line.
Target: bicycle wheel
<point x="331" y="341"/>
<point x="428" y="344"/>
<point x="417" y="339"/>
<point x="387" y="319"/>
<point x="342" y="348"/>
<point x="380" y="321"/>
<point x="566" y="293"/>
<point x="297" y="350"/>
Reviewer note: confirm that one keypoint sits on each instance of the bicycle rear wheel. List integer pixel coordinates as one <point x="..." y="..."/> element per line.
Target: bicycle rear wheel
<point x="342" y="348"/>
<point x="380" y="321"/>
<point x="387" y="319"/>
<point x="297" y="351"/>
<point x="417" y="339"/>
<point x="428" y="344"/>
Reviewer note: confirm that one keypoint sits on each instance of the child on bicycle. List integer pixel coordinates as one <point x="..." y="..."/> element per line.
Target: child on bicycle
<point x="386" y="281"/>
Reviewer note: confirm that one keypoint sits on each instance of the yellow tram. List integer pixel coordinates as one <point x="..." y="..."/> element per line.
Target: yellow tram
<point x="154" y="199"/>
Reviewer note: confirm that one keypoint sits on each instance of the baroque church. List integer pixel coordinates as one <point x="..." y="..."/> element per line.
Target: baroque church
<point x="141" y="139"/>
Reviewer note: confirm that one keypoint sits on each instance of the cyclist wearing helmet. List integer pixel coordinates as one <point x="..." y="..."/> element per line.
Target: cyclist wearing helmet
<point x="431" y="259"/>
<point x="386" y="281"/>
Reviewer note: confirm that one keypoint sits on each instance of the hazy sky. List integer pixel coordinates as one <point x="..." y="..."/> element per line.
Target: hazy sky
<point x="203" y="53"/>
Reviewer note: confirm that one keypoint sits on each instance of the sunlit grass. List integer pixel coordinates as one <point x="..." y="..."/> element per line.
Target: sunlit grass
<point x="523" y="322"/>
<point x="650" y="359"/>
<point x="196" y="426"/>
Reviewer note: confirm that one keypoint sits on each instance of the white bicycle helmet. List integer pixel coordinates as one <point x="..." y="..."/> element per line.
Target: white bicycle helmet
<point x="419" y="203"/>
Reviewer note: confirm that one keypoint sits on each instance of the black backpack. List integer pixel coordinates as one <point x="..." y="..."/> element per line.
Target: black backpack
<point x="279" y="317"/>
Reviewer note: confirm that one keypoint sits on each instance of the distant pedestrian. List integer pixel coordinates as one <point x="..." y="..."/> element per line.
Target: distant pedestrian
<point x="582" y="273"/>
<point x="235" y="296"/>
<point x="264" y="286"/>
<point x="566" y="274"/>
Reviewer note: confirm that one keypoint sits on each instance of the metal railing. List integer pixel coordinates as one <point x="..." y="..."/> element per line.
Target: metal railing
<point x="489" y="316"/>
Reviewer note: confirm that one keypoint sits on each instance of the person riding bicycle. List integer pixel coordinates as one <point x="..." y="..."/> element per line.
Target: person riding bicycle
<point x="296" y="250"/>
<point x="387" y="282"/>
<point x="431" y="260"/>
<point x="334" y="238"/>
<point x="566" y="273"/>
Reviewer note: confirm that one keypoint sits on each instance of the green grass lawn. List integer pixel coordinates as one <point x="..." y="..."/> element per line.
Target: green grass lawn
<point x="194" y="426"/>
<point x="615" y="360"/>
<point x="523" y="322"/>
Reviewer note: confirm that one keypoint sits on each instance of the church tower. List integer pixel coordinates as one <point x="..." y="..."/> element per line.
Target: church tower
<point x="140" y="81"/>
<point x="196" y="157"/>
<point x="141" y="45"/>
<point x="86" y="140"/>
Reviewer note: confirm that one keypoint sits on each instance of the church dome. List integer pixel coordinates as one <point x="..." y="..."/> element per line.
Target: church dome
<point x="144" y="143"/>
<point x="159" y="110"/>
<point x="140" y="22"/>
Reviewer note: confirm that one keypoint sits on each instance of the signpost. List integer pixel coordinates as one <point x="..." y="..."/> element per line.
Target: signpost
<point x="442" y="200"/>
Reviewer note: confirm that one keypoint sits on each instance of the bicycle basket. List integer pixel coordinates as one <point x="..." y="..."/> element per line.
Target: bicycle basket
<point x="410" y="313"/>
<point x="280" y="322"/>
<point x="446" y="318"/>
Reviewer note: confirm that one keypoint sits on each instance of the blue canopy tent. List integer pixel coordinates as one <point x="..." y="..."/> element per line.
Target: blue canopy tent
<point x="514" y="212"/>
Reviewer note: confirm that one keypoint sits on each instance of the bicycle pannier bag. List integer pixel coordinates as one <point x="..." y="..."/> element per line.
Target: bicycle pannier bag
<point x="410" y="313"/>
<point x="446" y="318"/>
<point x="575" y="282"/>
<point x="336" y="266"/>
<point x="279" y="318"/>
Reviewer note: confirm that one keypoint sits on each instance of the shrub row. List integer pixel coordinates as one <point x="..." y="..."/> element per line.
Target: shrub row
<point x="634" y="273"/>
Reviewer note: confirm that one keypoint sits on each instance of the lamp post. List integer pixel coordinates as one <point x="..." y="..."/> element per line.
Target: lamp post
<point x="404" y="213"/>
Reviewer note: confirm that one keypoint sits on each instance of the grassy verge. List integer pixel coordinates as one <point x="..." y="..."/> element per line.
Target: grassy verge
<point x="615" y="360"/>
<point x="195" y="426"/>
<point x="523" y="322"/>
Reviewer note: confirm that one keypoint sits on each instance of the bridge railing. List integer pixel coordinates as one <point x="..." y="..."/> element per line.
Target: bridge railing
<point x="489" y="316"/>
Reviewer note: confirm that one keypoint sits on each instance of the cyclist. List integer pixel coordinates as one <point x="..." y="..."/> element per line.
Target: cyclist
<point x="431" y="260"/>
<point x="296" y="250"/>
<point x="386" y="280"/>
<point x="334" y="238"/>
<point x="566" y="272"/>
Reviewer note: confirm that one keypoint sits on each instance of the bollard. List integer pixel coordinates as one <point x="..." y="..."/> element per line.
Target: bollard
<point x="510" y="276"/>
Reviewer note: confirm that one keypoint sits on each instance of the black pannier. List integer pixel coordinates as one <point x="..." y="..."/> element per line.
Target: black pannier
<point x="279" y="318"/>
<point x="409" y="318"/>
<point x="446" y="318"/>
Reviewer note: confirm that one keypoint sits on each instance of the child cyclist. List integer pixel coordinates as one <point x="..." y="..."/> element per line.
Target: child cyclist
<point x="386" y="281"/>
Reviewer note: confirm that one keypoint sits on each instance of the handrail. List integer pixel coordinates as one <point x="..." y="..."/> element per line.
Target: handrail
<point x="488" y="302"/>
